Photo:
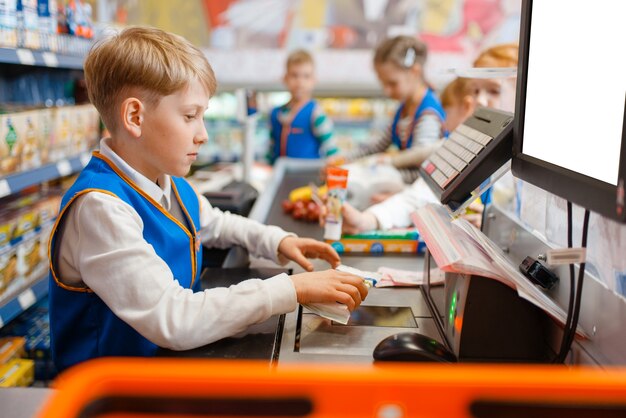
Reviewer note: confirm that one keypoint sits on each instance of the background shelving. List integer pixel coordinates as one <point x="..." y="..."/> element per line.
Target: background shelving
<point x="23" y="56"/>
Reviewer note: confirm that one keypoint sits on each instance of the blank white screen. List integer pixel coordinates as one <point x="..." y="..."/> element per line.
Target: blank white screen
<point x="576" y="85"/>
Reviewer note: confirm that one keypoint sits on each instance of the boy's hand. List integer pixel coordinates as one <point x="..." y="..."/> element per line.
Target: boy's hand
<point x="354" y="221"/>
<point x="330" y="286"/>
<point x="299" y="249"/>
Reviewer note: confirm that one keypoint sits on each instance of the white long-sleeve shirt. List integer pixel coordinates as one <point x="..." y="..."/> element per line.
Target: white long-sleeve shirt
<point x="101" y="246"/>
<point x="395" y="212"/>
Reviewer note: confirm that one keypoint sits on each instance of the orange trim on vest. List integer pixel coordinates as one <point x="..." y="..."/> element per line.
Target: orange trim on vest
<point x="54" y="230"/>
<point x="194" y="261"/>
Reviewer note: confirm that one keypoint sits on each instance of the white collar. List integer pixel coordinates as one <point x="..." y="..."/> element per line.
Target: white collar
<point x="159" y="192"/>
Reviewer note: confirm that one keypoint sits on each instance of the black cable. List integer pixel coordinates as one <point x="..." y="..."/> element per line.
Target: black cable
<point x="573" y="312"/>
<point x="579" y="288"/>
<point x="560" y="357"/>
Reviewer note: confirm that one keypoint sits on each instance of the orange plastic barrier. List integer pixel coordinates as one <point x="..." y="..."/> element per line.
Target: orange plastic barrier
<point x="116" y="388"/>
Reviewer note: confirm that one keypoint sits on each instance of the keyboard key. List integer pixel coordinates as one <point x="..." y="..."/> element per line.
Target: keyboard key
<point x="474" y="135"/>
<point x="429" y="167"/>
<point x="439" y="178"/>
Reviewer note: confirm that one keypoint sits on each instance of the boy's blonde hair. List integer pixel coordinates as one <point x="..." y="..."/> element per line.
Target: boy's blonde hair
<point x="299" y="56"/>
<point x="403" y="51"/>
<point x="157" y="62"/>
<point x="504" y="55"/>
<point x="456" y="90"/>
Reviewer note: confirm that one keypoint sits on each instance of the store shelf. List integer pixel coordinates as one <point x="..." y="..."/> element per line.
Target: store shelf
<point x="352" y="123"/>
<point x="22" y="56"/>
<point x="22" y="296"/>
<point x="14" y="183"/>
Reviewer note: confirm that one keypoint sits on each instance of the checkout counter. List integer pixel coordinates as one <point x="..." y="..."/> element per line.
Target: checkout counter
<point x="497" y="325"/>
<point x="302" y="336"/>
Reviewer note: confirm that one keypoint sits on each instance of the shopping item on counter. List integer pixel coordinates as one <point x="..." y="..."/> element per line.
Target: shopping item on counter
<point x="337" y="182"/>
<point x="402" y="240"/>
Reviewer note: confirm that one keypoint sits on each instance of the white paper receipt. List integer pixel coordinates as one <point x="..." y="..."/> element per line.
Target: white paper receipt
<point x="331" y="310"/>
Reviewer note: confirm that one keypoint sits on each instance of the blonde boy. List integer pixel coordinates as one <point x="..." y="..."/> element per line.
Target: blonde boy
<point x="125" y="251"/>
<point x="299" y="128"/>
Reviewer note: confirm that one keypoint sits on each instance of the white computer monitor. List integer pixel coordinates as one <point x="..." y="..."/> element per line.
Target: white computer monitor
<point x="571" y="99"/>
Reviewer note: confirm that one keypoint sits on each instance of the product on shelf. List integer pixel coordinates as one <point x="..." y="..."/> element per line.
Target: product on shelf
<point x="25" y="225"/>
<point x="17" y="373"/>
<point x="11" y="348"/>
<point x="21" y="143"/>
<point x="31" y="138"/>
<point x="47" y="207"/>
<point x="29" y="255"/>
<point x="76" y="130"/>
<point x="61" y="133"/>
<point x="27" y="24"/>
<point x="47" y="12"/>
<point x="8" y="23"/>
<point x="34" y="326"/>
<point x="8" y="267"/>
<point x="6" y="227"/>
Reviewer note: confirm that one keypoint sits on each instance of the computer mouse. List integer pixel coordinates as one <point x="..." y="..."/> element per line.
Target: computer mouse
<point x="411" y="346"/>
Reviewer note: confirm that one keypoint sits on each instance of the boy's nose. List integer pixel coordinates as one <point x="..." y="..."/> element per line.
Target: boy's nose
<point x="202" y="136"/>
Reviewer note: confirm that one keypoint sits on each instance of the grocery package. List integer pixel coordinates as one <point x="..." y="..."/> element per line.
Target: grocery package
<point x="405" y="240"/>
<point x="337" y="181"/>
<point x="17" y="372"/>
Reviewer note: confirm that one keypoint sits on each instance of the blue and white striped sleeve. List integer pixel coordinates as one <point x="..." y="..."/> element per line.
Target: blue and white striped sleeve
<point x="322" y="127"/>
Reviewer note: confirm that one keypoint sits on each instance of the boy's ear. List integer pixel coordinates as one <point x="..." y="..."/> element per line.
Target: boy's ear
<point x="133" y="111"/>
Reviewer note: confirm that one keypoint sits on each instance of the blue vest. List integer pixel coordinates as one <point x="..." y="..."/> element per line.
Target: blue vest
<point x="82" y="327"/>
<point x="297" y="139"/>
<point x="429" y="103"/>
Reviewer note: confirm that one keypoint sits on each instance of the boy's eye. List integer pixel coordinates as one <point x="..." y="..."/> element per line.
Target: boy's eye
<point x="190" y="117"/>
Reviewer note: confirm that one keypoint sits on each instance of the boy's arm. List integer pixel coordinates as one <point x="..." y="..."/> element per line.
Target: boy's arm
<point x="102" y="245"/>
<point x="322" y="127"/>
<point x="381" y="144"/>
<point x="395" y="212"/>
<point x="224" y="229"/>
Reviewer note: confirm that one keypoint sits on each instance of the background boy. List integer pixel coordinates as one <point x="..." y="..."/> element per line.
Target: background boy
<point x="299" y="128"/>
<point x="125" y="250"/>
